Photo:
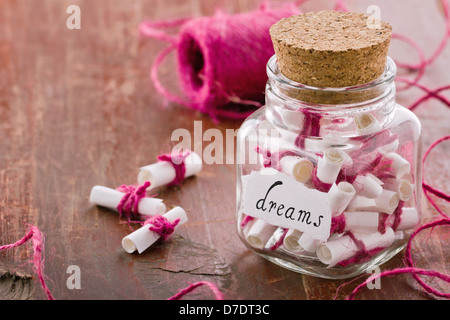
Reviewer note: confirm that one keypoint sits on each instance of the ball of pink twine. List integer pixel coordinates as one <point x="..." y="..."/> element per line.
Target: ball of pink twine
<point x="221" y="60"/>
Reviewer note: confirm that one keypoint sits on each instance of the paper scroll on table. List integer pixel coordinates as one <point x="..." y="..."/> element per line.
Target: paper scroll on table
<point x="143" y="238"/>
<point x="110" y="198"/>
<point x="162" y="173"/>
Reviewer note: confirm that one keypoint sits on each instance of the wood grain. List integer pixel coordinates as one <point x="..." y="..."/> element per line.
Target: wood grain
<point x="77" y="109"/>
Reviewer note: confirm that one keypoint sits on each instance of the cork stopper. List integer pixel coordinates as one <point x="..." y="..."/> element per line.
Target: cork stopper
<point x="330" y="49"/>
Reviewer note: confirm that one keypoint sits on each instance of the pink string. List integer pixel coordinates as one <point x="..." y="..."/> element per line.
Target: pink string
<point x="414" y="271"/>
<point x="429" y="189"/>
<point x="160" y="225"/>
<point x="217" y="294"/>
<point x="280" y="240"/>
<point x="129" y="204"/>
<point x="177" y="161"/>
<point x="36" y="237"/>
<point x="246" y="221"/>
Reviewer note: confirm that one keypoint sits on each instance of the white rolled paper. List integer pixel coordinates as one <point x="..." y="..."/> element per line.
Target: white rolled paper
<point x="343" y="248"/>
<point x="275" y="238"/>
<point x="259" y="233"/>
<point x="301" y="169"/>
<point x="409" y="219"/>
<point x="292" y="119"/>
<point x="366" y="123"/>
<point x="143" y="238"/>
<point x="110" y="198"/>
<point x="340" y="196"/>
<point x="387" y="202"/>
<point x="308" y="243"/>
<point x="390" y="147"/>
<point x="287" y="138"/>
<point x="360" y="203"/>
<point x="400" y="166"/>
<point x="290" y="241"/>
<point x="163" y="173"/>
<point x="329" y="165"/>
<point x="361" y="221"/>
<point x="368" y="186"/>
<point x="404" y="188"/>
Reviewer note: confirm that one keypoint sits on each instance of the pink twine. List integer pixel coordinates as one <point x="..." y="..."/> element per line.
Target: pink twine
<point x="427" y="188"/>
<point x="311" y="127"/>
<point x="129" y="204"/>
<point x="246" y="221"/>
<point x="338" y="224"/>
<point x="177" y="161"/>
<point x="35" y="235"/>
<point x="280" y="240"/>
<point x="163" y="227"/>
<point x="318" y="184"/>
<point x="218" y="295"/>
<point x="216" y="73"/>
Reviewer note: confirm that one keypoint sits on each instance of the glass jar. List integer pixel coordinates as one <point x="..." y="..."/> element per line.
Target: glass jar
<point x="329" y="179"/>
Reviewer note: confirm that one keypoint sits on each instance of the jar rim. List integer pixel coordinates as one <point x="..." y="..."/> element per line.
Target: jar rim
<point x="390" y="71"/>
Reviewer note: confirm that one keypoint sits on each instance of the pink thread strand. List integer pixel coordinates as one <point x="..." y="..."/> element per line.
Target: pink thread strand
<point x="414" y="271"/>
<point x="129" y="204"/>
<point x="35" y="235"/>
<point x="217" y="294"/>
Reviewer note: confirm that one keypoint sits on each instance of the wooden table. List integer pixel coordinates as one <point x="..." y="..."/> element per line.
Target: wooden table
<point x="77" y="109"/>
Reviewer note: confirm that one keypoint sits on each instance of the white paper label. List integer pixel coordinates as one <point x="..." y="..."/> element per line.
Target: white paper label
<point x="284" y="202"/>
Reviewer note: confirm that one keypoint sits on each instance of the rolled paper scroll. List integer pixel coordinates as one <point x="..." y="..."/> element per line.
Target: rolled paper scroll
<point x="308" y="243"/>
<point x="390" y="147"/>
<point x="290" y="241"/>
<point x="409" y="219"/>
<point x="259" y="233"/>
<point x="163" y="173"/>
<point x="340" y="196"/>
<point x="320" y="144"/>
<point x="143" y="238"/>
<point x="366" y="123"/>
<point x="334" y="251"/>
<point x="368" y="186"/>
<point x="276" y="240"/>
<point x="288" y="138"/>
<point x="400" y="166"/>
<point x="360" y="203"/>
<point x="387" y="202"/>
<point x="404" y="188"/>
<point x="110" y="198"/>
<point x="292" y="119"/>
<point x="300" y="168"/>
<point x="361" y="221"/>
<point x="329" y="165"/>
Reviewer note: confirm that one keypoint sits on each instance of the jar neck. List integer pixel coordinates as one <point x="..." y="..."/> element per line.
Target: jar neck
<point x="287" y="100"/>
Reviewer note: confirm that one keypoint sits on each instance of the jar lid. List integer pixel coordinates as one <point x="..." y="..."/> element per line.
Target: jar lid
<point x="330" y="48"/>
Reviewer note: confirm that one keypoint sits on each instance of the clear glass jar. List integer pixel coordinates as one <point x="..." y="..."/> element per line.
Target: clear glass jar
<point x="353" y="146"/>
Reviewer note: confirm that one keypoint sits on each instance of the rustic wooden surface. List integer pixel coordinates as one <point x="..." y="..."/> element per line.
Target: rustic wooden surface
<point x="77" y="109"/>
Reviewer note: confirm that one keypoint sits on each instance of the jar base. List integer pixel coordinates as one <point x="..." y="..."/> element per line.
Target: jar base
<point x="313" y="267"/>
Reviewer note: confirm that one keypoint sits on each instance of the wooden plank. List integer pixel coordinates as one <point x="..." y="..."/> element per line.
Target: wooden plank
<point x="78" y="109"/>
